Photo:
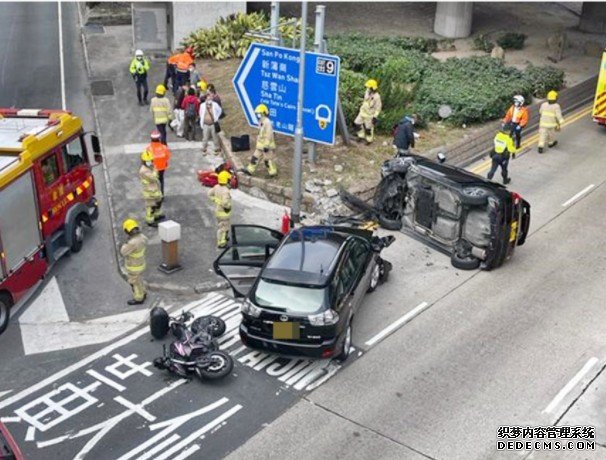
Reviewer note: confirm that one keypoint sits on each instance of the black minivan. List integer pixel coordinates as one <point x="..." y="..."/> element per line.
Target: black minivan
<point x="301" y="290"/>
<point x="477" y="222"/>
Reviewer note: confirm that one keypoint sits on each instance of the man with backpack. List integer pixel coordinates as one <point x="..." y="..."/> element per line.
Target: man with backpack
<point x="190" y="106"/>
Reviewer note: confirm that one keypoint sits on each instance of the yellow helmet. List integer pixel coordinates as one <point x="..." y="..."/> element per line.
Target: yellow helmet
<point x="223" y="177"/>
<point x="262" y="108"/>
<point x="552" y="95"/>
<point x="147" y="155"/>
<point x="161" y="90"/>
<point x="372" y="84"/>
<point x="202" y="85"/>
<point x="129" y="225"/>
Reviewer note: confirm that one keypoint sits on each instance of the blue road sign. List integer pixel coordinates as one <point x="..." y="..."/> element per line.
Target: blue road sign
<point x="270" y="75"/>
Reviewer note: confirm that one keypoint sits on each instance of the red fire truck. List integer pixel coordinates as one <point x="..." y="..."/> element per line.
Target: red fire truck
<point x="47" y="196"/>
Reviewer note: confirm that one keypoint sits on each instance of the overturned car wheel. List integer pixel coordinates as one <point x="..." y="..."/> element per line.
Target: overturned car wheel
<point x="474" y="196"/>
<point x="390" y="224"/>
<point x="464" y="263"/>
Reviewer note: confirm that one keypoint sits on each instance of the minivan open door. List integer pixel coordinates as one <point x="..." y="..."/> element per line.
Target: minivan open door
<point x="250" y="247"/>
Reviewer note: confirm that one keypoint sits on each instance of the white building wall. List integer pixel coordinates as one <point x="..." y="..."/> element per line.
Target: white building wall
<point x="189" y="16"/>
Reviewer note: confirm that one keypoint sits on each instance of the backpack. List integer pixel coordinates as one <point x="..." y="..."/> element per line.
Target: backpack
<point x="190" y="110"/>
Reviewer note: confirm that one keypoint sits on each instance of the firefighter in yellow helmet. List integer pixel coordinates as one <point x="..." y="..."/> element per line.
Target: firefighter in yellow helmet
<point x="266" y="144"/>
<point x="551" y="121"/>
<point x="152" y="193"/>
<point x="370" y="109"/>
<point x="221" y="197"/>
<point x="133" y="252"/>
<point x="161" y="110"/>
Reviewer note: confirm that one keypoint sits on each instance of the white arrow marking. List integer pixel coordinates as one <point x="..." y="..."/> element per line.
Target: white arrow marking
<point x="4" y="393"/>
<point x="242" y="79"/>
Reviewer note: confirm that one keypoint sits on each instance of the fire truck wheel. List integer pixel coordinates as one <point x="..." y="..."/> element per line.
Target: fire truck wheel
<point x="78" y="234"/>
<point x="5" y="307"/>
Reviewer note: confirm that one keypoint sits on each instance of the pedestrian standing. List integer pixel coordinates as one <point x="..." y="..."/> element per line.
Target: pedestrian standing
<point x="190" y="107"/>
<point x="369" y="112"/>
<point x="517" y="117"/>
<point x="182" y="63"/>
<point x="161" y="157"/>
<point x="221" y="196"/>
<point x="152" y="194"/>
<point x="139" y="67"/>
<point x="161" y="111"/>
<point x="551" y="121"/>
<point x="194" y="75"/>
<point x="133" y="252"/>
<point x="504" y="148"/>
<point x="171" y="69"/>
<point x="404" y="138"/>
<point x="266" y="144"/>
<point x="212" y="92"/>
<point x="210" y="112"/>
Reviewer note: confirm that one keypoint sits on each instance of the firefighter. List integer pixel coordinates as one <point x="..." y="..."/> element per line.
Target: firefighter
<point x="551" y="120"/>
<point x="221" y="196"/>
<point x="162" y="111"/>
<point x="133" y="252"/>
<point x="139" y="67"/>
<point x="151" y="190"/>
<point x="161" y="154"/>
<point x="370" y="109"/>
<point x="517" y="117"/>
<point x="266" y="144"/>
<point x="503" y="148"/>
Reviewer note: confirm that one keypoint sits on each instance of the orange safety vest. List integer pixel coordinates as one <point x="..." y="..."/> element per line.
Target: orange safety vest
<point x="182" y="61"/>
<point x="522" y="116"/>
<point x="161" y="155"/>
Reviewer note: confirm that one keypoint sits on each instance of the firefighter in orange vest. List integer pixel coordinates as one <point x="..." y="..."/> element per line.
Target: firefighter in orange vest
<point x="181" y="63"/>
<point x="517" y="117"/>
<point x="161" y="154"/>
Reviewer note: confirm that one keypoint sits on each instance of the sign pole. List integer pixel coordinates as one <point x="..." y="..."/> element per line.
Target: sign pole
<point x="298" y="159"/>
<point x="319" y="48"/>
<point x="274" y="21"/>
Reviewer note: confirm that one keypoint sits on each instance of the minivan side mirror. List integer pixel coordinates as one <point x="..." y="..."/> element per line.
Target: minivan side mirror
<point x="98" y="158"/>
<point x="96" y="145"/>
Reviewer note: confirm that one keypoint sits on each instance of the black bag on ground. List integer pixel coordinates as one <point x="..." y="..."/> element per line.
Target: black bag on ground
<point x="158" y="322"/>
<point x="240" y="143"/>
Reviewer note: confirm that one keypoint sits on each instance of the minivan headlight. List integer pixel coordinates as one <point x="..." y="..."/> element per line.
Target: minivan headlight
<point x="249" y="308"/>
<point x="327" y="318"/>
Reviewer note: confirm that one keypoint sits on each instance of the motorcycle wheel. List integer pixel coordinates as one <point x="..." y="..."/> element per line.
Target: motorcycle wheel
<point x="213" y="324"/>
<point x="158" y="322"/>
<point x="222" y="365"/>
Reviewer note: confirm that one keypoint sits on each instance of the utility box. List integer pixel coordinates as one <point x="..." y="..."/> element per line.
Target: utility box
<point x="170" y="234"/>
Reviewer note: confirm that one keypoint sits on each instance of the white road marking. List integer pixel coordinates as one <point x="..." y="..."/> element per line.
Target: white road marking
<point x="4" y="393"/>
<point x="106" y="380"/>
<point x="137" y="148"/>
<point x="47" y="307"/>
<point x="396" y="324"/>
<point x="10" y="419"/>
<point x="31" y="434"/>
<point x="570" y="385"/>
<point x="578" y="195"/>
<point x="61" y="57"/>
<point x="187" y="452"/>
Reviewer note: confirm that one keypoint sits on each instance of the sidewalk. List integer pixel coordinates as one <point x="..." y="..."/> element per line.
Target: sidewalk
<point x="125" y="129"/>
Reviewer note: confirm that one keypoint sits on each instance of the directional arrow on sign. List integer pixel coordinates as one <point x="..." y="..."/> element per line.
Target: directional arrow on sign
<point x="270" y="75"/>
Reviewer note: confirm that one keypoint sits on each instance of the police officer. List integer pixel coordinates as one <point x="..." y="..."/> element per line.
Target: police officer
<point x="551" y="121"/>
<point x="504" y="147"/>
<point x="139" y="67"/>
<point x="221" y="196"/>
<point x="133" y="252"/>
<point x="369" y="112"/>
<point x="266" y="144"/>
<point x="151" y="189"/>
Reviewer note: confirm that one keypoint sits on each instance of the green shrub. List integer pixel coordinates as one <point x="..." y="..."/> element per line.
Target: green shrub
<point x="477" y="89"/>
<point x="544" y="79"/>
<point x="351" y="92"/>
<point x="482" y="43"/>
<point x="511" y="41"/>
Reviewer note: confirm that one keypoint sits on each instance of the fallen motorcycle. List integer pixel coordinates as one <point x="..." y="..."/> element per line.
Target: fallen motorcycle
<point x="196" y="349"/>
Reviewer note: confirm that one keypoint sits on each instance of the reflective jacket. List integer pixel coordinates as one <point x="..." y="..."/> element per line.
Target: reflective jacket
<point x="181" y="61"/>
<point x="220" y="195"/>
<point x="133" y="252"/>
<point x="139" y="67"/>
<point x="371" y="106"/>
<point x="503" y="144"/>
<point x="551" y="115"/>
<point x="161" y="154"/>
<point x="150" y="183"/>
<point x="265" y="139"/>
<point x="522" y="116"/>
<point x="161" y="110"/>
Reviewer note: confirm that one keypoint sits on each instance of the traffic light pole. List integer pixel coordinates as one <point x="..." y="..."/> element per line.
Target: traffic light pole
<point x="298" y="158"/>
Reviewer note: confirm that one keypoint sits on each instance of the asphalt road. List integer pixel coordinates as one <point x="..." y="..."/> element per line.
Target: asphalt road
<point x="89" y="284"/>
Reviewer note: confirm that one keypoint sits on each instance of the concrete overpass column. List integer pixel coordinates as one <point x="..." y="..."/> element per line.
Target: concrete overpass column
<point x="593" y="18"/>
<point x="453" y="19"/>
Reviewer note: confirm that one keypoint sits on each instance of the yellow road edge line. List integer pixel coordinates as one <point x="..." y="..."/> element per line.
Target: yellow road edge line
<point x="534" y="138"/>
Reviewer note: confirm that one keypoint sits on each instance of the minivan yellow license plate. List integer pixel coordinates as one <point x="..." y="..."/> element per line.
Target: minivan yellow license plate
<point x="286" y="331"/>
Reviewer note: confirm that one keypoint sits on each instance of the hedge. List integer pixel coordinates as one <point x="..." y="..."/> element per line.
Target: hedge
<point x="544" y="79"/>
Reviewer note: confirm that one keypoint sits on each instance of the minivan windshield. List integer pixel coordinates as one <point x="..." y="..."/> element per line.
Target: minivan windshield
<point x="294" y="299"/>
